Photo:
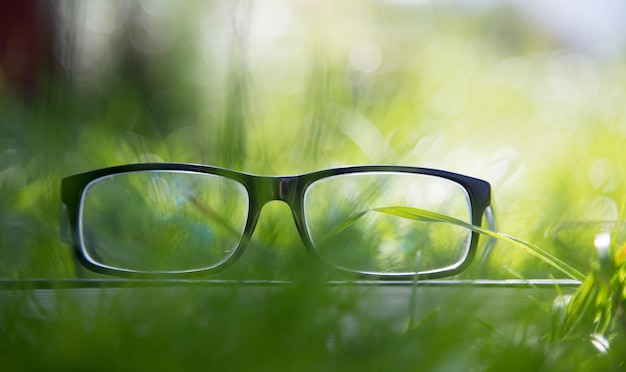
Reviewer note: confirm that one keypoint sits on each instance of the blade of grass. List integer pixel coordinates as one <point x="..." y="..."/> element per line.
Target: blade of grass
<point x="417" y="214"/>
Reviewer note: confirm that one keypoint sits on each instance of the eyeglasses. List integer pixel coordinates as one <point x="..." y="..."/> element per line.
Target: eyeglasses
<point x="170" y="219"/>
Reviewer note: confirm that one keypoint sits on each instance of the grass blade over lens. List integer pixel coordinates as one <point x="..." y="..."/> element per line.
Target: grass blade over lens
<point x="417" y="214"/>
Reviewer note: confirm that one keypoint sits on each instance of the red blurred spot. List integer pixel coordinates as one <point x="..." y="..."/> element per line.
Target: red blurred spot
<point x="25" y="49"/>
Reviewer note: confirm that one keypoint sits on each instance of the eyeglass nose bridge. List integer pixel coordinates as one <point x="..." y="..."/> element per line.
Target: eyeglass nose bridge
<point x="265" y="189"/>
<point x="276" y="188"/>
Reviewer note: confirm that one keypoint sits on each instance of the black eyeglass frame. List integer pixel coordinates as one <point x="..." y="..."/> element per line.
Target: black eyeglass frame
<point x="261" y="190"/>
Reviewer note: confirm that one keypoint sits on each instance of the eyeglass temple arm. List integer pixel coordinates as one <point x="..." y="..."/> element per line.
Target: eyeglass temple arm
<point x="64" y="225"/>
<point x="65" y="232"/>
<point x="491" y="225"/>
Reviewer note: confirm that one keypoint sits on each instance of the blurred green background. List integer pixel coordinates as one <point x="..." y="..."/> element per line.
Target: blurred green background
<point x="528" y="95"/>
<point x="525" y="95"/>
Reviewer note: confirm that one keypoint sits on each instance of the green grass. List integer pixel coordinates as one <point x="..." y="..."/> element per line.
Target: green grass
<point x="542" y="123"/>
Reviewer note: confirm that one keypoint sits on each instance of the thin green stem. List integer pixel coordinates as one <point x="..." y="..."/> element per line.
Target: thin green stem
<point x="417" y="214"/>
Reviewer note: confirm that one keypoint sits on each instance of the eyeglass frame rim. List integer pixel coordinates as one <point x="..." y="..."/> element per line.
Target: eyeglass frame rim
<point x="74" y="186"/>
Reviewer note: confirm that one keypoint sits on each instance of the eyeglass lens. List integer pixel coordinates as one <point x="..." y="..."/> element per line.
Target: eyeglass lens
<point x="375" y="242"/>
<point x="162" y="220"/>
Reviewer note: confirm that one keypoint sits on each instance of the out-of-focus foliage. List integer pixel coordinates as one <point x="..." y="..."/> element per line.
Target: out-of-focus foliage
<point x="275" y="88"/>
<point x="505" y="91"/>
